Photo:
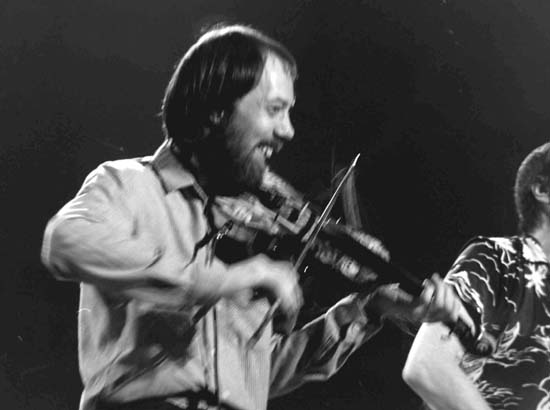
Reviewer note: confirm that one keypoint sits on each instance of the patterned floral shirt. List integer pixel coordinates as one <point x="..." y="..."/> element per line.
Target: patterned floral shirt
<point x="505" y="282"/>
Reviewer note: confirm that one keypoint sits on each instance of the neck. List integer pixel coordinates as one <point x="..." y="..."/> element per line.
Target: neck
<point x="213" y="176"/>
<point x="542" y="235"/>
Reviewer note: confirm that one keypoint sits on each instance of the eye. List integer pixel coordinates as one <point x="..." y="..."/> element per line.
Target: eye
<point x="274" y="109"/>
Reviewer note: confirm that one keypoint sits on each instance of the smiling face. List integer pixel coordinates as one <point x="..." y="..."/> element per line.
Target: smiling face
<point x="258" y="127"/>
<point x="260" y="123"/>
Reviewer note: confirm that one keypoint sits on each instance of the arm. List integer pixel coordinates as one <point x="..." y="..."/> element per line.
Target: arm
<point x="433" y="371"/>
<point x="316" y="351"/>
<point x="319" y="349"/>
<point x="433" y="366"/>
<point x="104" y="237"/>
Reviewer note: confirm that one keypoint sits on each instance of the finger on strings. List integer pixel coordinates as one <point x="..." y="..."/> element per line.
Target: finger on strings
<point x="451" y="304"/>
<point x="428" y="292"/>
<point x="456" y="304"/>
<point x="466" y="318"/>
<point x="439" y="296"/>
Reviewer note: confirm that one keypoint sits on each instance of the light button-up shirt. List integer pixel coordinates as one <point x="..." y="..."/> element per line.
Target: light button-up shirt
<point x="129" y="236"/>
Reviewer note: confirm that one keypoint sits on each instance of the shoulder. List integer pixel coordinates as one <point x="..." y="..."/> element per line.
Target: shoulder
<point x="120" y="171"/>
<point x="496" y="242"/>
<point x="486" y="258"/>
<point x="124" y="166"/>
<point x="489" y="262"/>
<point x="492" y="246"/>
<point x="484" y="271"/>
<point x="122" y="178"/>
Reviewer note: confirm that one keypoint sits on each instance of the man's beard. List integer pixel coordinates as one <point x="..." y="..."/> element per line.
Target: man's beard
<point x="228" y="170"/>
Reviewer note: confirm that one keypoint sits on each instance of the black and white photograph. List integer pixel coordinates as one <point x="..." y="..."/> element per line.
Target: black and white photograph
<point x="275" y="205"/>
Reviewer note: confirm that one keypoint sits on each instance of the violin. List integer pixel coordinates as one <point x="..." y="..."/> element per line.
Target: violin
<point x="278" y="226"/>
<point x="279" y="222"/>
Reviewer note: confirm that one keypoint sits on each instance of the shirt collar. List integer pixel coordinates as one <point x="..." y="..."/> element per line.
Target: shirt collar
<point x="171" y="172"/>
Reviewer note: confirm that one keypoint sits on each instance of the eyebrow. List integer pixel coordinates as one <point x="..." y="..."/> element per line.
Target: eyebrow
<point x="284" y="101"/>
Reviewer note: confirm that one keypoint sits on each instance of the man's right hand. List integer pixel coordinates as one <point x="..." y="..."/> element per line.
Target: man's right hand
<point x="280" y="280"/>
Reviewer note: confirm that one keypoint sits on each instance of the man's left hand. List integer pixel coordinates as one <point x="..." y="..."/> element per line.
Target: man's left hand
<point x="437" y="303"/>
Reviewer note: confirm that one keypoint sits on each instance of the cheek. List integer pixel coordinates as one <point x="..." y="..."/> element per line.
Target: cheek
<point x="255" y="128"/>
<point x="263" y="125"/>
<point x="246" y="130"/>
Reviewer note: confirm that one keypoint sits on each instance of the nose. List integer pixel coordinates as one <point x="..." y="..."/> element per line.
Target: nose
<point x="284" y="129"/>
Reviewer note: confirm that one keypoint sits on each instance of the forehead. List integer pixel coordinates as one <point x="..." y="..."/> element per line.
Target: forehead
<point x="276" y="81"/>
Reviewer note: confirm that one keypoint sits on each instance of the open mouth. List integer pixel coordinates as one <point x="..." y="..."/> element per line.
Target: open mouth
<point x="263" y="153"/>
<point x="266" y="150"/>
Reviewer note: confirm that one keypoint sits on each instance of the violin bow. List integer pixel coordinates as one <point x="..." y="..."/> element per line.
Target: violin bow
<point x="309" y="238"/>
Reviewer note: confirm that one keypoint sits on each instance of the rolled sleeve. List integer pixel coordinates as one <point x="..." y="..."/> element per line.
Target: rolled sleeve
<point x="476" y="277"/>
<point x="320" y="348"/>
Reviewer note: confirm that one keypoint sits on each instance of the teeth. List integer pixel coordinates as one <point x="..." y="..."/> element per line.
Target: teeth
<point x="267" y="151"/>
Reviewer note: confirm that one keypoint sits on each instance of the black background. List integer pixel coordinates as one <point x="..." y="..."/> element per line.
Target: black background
<point x="442" y="98"/>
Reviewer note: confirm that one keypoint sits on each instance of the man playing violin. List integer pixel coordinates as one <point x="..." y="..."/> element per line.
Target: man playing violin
<point x="163" y="322"/>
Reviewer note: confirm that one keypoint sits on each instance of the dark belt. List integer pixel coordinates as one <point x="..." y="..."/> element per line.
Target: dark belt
<point x="202" y="400"/>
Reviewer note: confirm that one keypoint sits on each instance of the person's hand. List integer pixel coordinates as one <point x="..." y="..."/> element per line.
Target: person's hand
<point x="280" y="280"/>
<point x="437" y="303"/>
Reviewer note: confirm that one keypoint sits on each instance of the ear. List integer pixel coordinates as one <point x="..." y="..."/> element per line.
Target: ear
<point x="541" y="190"/>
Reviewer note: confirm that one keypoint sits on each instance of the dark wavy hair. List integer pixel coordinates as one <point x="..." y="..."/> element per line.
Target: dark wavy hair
<point x="222" y="66"/>
<point x="535" y="168"/>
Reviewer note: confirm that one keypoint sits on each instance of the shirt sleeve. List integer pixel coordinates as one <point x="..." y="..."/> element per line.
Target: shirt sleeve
<point x="476" y="277"/>
<point x="318" y="350"/>
<point x="102" y="237"/>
